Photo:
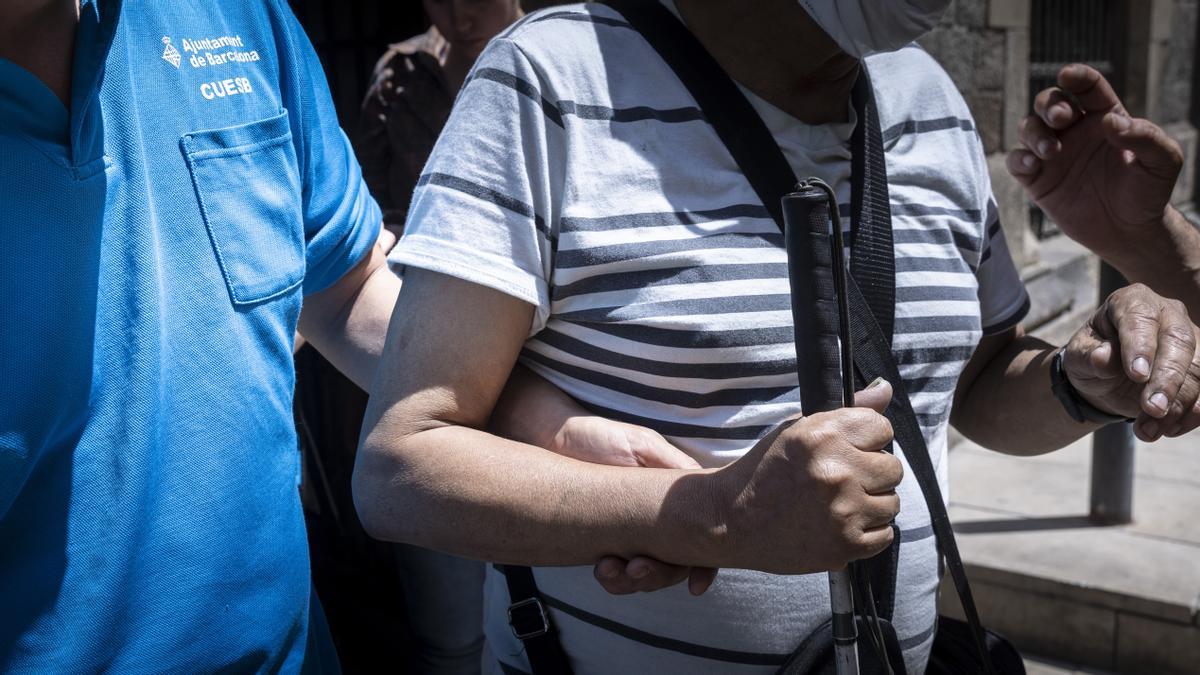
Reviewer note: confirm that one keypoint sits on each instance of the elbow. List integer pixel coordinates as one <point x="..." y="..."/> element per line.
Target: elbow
<point x="380" y="493"/>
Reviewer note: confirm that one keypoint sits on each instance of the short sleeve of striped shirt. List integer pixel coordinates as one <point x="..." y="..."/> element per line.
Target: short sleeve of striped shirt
<point x="482" y="206"/>
<point x="1003" y="300"/>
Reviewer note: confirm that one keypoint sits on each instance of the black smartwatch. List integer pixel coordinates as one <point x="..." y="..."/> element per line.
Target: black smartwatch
<point x="1076" y="406"/>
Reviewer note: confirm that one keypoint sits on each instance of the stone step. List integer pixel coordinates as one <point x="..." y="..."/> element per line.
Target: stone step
<point x="1123" y="599"/>
<point x="1061" y="283"/>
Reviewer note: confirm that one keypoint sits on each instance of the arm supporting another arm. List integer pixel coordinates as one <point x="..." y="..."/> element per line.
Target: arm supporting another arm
<point x="428" y="474"/>
<point x="1135" y="357"/>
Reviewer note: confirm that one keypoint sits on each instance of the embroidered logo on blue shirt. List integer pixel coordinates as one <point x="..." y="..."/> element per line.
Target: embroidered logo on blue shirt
<point x="170" y="54"/>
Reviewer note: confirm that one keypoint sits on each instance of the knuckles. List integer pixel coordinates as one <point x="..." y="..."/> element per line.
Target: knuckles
<point x="861" y="427"/>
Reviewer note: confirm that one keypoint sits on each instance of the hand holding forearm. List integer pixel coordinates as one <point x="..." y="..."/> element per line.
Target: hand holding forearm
<point x="531" y="410"/>
<point x="1135" y="357"/>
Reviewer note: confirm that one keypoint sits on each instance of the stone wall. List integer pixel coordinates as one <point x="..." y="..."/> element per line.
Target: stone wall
<point x="1175" y="94"/>
<point x="984" y="46"/>
<point x="1174" y="106"/>
<point x="974" y="54"/>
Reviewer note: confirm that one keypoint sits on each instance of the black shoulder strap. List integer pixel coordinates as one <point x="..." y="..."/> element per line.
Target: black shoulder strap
<point x="872" y="255"/>
<point x="530" y="622"/>
<point x="873" y="358"/>
<point x="762" y="162"/>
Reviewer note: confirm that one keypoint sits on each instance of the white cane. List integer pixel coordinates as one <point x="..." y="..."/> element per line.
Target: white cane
<point x="817" y="274"/>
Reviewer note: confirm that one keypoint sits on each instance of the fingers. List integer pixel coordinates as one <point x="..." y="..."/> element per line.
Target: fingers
<point x="655" y="452"/>
<point x="1184" y="414"/>
<point x="875" y="540"/>
<point x="1158" y="351"/>
<point x="880" y="510"/>
<point x="1180" y="421"/>
<point x="1094" y="359"/>
<point x="1054" y="107"/>
<point x="1092" y="92"/>
<point x="1152" y="148"/>
<point x="701" y="579"/>
<point x="1024" y="166"/>
<point x="1158" y="345"/>
<point x="1175" y="354"/>
<point x="876" y="396"/>
<point x="1036" y="136"/>
<point x="1136" y="329"/>
<point x="639" y="575"/>
<point x="1188" y="422"/>
<point x="881" y="472"/>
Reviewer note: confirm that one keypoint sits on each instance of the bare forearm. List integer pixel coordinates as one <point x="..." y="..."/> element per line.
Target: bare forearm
<point x="1168" y="262"/>
<point x="470" y="493"/>
<point x="350" y="331"/>
<point x="1009" y="406"/>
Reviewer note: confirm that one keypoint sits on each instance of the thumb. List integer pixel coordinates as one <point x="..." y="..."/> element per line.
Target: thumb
<point x="1150" y="145"/>
<point x="1099" y="360"/>
<point x="876" y="396"/>
<point x="655" y="452"/>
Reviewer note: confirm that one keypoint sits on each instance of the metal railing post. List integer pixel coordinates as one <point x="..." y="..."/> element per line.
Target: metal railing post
<point x="1112" y="449"/>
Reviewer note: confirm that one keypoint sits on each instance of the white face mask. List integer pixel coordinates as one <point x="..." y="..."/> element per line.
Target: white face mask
<point x="862" y="27"/>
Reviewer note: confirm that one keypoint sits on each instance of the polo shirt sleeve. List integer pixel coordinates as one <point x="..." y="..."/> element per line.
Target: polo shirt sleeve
<point x="341" y="220"/>
<point x="484" y="209"/>
<point x="1003" y="300"/>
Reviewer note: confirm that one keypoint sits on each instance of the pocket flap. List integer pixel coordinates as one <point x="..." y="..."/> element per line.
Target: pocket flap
<point x="248" y="186"/>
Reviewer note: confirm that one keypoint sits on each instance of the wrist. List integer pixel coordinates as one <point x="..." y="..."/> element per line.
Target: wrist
<point x="701" y="515"/>
<point x="533" y="411"/>
<point x="1166" y="258"/>
<point x="1077" y="405"/>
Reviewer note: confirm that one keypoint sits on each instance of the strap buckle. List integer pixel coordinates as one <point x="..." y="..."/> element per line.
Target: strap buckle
<point x="528" y="619"/>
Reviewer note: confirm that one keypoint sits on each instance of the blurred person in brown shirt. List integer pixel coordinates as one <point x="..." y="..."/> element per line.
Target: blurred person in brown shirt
<point x="411" y="94"/>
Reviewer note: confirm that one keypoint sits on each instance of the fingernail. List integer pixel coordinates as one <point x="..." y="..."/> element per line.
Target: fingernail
<point x="1159" y="401"/>
<point x="639" y="572"/>
<point x="1141" y="367"/>
<point x="1028" y="161"/>
<point x="608" y="572"/>
<point x="1122" y="123"/>
<point x="877" y="382"/>
<point x="1043" y="147"/>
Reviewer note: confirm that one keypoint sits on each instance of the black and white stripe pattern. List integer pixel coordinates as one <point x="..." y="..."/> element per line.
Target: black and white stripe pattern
<point x="578" y="175"/>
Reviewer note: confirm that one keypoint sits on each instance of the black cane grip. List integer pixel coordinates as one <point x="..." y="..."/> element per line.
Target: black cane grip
<point x="814" y="299"/>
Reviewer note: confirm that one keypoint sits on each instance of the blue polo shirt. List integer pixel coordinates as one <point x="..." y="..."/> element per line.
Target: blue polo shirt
<point x="156" y="238"/>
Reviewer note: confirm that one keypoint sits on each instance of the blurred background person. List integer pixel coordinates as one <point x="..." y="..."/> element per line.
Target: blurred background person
<point x="412" y="91"/>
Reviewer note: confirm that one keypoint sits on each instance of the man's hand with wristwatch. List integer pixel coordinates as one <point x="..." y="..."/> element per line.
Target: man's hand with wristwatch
<point x="1134" y="360"/>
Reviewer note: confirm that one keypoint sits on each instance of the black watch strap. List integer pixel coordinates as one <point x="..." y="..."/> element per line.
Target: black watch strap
<point x="1076" y="406"/>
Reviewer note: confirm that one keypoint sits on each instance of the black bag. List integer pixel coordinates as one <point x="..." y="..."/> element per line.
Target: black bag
<point x="959" y="647"/>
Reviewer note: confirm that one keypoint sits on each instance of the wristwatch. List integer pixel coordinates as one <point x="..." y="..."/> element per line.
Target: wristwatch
<point x="1076" y="406"/>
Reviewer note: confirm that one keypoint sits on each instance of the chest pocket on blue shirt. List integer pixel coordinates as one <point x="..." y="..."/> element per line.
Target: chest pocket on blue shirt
<point x="248" y="184"/>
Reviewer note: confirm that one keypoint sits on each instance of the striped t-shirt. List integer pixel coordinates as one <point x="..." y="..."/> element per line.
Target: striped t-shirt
<point x="577" y="174"/>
